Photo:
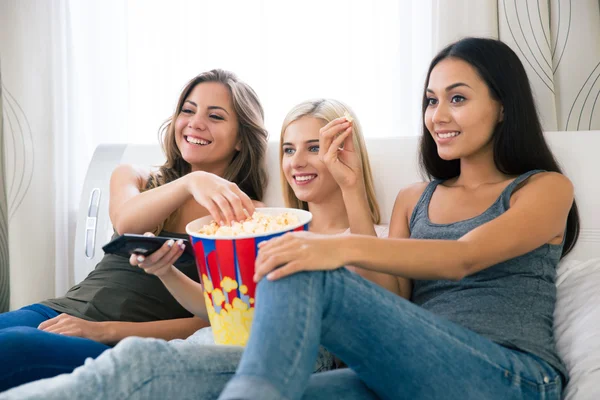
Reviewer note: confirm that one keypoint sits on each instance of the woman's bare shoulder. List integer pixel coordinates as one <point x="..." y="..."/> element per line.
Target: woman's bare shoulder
<point x="405" y="203"/>
<point x="129" y="173"/>
<point x="550" y="183"/>
<point x="409" y="195"/>
<point x="551" y="178"/>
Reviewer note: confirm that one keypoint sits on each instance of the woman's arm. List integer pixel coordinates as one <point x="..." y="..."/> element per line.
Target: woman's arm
<point x="404" y="205"/>
<point x="359" y="217"/>
<point x="336" y="150"/>
<point x="111" y="332"/>
<point x="134" y="211"/>
<point x="345" y="167"/>
<point x="131" y="210"/>
<point x="537" y="216"/>
<point x="186" y="291"/>
<point x="169" y="329"/>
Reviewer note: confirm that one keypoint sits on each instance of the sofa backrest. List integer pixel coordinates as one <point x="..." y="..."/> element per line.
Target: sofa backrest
<point x="394" y="164"/>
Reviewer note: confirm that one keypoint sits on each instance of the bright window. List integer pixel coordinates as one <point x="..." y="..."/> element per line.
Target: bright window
<point x="371" y="55"/>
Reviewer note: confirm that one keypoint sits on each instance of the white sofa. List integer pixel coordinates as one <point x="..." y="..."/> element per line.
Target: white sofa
<point x="394" y="162"/>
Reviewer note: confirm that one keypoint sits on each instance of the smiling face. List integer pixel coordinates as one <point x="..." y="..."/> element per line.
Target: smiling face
<point x="461" y="114"/>
<point x="308" y="176"/>
<point x="206" y="129"/>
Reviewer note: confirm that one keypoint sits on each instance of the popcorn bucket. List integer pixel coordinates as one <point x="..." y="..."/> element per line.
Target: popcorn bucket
<point x="226" y="268"/>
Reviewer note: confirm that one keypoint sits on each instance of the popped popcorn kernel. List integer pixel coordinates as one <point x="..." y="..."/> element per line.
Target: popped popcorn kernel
<point x="257" y="224"/>
<point x="348" y="116"/>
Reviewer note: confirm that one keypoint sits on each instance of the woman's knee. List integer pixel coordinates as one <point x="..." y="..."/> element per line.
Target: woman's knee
<point x="296" y="283"/>
<point x="20" y="338"/>
<point x="20" y="346"/>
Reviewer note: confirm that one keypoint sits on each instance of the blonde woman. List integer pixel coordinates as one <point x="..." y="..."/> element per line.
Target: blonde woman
<point x="214" y="143"/>
<point x="325" y="169"/>
<point x="341" y="197"/>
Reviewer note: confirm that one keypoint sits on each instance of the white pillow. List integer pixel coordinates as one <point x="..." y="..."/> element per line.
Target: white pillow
<point x="577" y="326"/>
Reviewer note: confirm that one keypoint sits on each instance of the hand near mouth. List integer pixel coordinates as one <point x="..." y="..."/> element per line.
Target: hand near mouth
<point x="337" y="151"/>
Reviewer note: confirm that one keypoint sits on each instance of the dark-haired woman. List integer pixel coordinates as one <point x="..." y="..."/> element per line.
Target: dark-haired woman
<point x="480" y="243"/>
<point x="215" y="144"/>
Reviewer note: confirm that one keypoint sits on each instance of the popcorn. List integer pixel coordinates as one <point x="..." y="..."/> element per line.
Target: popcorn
<point x="225" y="257"/>
<point x="348" y="116"/>
<point x="259" y="223"/>
<point x="349" y="119"/>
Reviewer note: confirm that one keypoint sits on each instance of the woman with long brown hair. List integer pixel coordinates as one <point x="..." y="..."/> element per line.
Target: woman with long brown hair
<point x="215" y="144"/>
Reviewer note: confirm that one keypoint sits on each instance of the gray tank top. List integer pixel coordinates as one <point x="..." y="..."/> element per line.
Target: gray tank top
<point x="510" y="303"/>
<point x="118" y="291"/>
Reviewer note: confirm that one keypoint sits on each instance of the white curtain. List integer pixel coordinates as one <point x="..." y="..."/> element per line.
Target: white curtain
<point x="368" y="54"/>
<point x="558" y="41"/>
<point x="30" y="100"/>
<point x="76" y="74"/>
<point x="62" y="86"/>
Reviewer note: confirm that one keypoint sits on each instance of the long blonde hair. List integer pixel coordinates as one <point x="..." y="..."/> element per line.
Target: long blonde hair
<point x="247" y="168"/>
<point x="328" y="110"/>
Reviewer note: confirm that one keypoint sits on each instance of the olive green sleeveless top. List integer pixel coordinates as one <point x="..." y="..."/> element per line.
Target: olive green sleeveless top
<point x="117" y="291"/>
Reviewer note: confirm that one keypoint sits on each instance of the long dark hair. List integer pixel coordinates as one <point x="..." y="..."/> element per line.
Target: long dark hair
<point x="518" y="141"/>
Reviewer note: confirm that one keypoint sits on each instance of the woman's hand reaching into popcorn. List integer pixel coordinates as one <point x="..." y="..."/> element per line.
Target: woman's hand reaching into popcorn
<point x="295" y="252"/>
<point x="337" y="151"/>
<point x="223" y="199"/>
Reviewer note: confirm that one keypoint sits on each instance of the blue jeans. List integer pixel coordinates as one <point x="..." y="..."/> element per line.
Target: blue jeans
<point x="393" y="347"/>
<point x="139" y="368"/>
<point x="29" y="354"/>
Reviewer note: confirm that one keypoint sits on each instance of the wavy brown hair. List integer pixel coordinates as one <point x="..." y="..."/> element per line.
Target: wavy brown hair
<point x="247" y="168"/>
<point x="327" y="110"/>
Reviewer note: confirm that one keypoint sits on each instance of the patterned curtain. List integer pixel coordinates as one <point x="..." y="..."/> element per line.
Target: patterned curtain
<point x="558" y="41"/>
<point x="4" y="265"/>
<point x="27" y="168"/>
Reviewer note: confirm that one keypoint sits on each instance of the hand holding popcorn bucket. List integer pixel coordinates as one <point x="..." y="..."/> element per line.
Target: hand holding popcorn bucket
<point x="225" y="257"/>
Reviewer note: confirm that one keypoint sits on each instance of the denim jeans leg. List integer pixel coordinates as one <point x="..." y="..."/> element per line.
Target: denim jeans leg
<point x="32" y="316"/>
<point x="283" y="341"/>
<point x="29" y="354"/>
<point x="337" y="384"/>
<point x="148" y="369"/>
<point x="398" y="349"/>
<point x="142" y="369"/>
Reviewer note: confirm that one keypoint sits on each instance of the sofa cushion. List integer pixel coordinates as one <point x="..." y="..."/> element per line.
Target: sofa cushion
<point x="577" y="326"/>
